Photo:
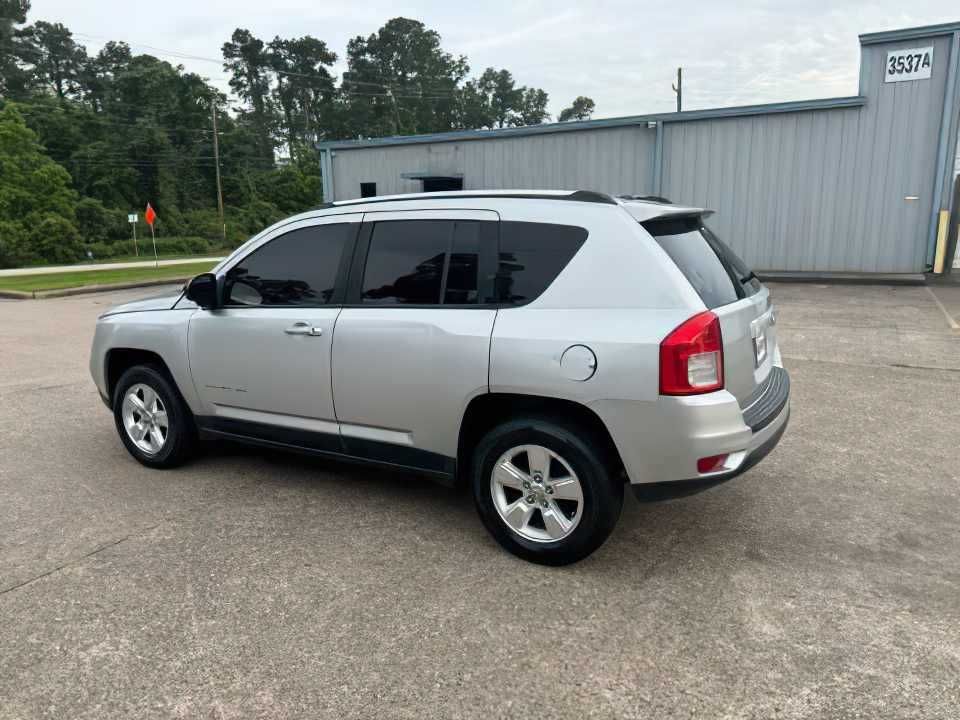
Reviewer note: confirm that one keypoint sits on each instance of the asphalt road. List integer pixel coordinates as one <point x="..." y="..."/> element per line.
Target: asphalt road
<point x="823" y="583"/>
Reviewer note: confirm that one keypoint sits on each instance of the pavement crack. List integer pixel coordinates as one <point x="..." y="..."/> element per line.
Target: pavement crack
<point x="923" y="367"/>
<point x="847" y="363"/>
<point x="75" y="561"/>
<point x="20" y="389"/>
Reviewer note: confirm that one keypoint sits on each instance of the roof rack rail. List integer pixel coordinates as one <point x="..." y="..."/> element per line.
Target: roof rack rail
<point x="648" y="198"/>
<point x="576" y="196"/>
<point x="590" y="196"/>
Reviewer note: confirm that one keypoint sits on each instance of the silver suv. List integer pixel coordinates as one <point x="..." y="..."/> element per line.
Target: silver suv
<point x="546" y="348"/>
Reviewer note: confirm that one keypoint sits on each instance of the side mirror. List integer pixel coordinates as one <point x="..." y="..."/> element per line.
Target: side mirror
<point x="203" y="291"/>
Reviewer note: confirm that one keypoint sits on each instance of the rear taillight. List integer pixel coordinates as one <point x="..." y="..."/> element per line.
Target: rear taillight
<point x="691" y="357"/>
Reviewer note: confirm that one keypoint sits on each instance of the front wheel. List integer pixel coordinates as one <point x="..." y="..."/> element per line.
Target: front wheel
<point x="154" y="422"/>
<point x="544" y="490"/>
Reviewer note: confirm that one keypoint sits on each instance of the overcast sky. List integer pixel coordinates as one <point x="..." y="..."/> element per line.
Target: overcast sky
<point x="622" y="54"/>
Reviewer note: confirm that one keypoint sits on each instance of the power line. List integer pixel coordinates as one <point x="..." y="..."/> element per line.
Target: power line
<point x="145" y="122"/>
<point x="428" y="94"/>
<point x="290" y="73"/>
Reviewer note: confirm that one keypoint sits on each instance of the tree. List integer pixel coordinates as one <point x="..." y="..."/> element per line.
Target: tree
<point x="533" y="108"/>
<point x="494" y="100"/>
<point x="100" y="73"/>
<point x="581" y="109"/>
<point x="92" y="138"/>
<point x="12" y="77"/>
<point x="474" y="109"/>
<point x="35" y="197"/>
<point x="304" y="88"/>
<point x="58" y="62"/>
<point x="504" y="96"/>
<point x="400" y="81"/>
<point x="248" y="61"/>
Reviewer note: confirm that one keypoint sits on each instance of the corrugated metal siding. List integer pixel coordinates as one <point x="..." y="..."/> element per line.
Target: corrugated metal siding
<point x="903" y="150"/>
<point x="819" y="190"/>
<point x="781" y="185"/>
<point x="956" y="172"/>
<point x="822" y="190"/>
<point x="617" y="161"/>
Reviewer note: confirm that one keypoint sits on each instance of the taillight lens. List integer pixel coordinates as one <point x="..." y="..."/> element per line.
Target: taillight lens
<point x="691" y="357"/>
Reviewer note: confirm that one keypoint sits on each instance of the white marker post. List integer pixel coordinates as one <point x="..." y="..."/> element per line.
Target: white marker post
<point x="132" y="219"/>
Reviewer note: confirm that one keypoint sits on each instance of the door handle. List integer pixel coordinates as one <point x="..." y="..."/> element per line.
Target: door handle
<point x="302" y="328"/>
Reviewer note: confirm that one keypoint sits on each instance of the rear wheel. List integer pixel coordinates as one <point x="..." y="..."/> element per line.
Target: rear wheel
<point x="154" y="422"/>
<point x="544" y="491"/>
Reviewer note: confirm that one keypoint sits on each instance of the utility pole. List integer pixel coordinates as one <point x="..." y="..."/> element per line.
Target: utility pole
<point x="678" y="89"/>
<point x="396" y="111"/>
<point x="216" y="162"/>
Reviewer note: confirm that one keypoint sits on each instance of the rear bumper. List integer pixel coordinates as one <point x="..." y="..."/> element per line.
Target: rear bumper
<point x="660" y="441"/>
<point x="654" y="492"/>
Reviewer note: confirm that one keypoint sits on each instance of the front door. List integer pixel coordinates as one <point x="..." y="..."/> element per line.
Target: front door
<point x="262" y="361"/>
<point x="413" y="340"/>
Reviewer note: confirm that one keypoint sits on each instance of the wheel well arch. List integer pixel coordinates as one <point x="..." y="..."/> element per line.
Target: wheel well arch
<point x="119" y="360"/>
<point x="486" y="411"/>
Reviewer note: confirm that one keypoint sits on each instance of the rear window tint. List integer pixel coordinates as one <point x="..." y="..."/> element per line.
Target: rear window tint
<point x="714" y="271"/>
<point x="741" y="272"/>
<point x="531" y="256"/>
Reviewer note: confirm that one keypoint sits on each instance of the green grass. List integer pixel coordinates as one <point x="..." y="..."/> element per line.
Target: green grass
<point x="59" y="281"/>
<point x="145" y="258"/>
<point x="142" y="257"/>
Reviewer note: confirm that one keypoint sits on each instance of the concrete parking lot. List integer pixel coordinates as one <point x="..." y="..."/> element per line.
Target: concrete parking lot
<point x="823" y="583"/>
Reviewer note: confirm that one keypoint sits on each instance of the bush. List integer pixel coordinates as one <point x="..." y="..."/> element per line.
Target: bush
<point x="15" y="245"/>
<point x="252" y="218"/>
<point x="180" y="245"/>
<point x="206" y="223"/>
<point x="290" y="188"/>
<point x="117" y="227"/>
<point x="104" y="251"/>
<point x="54" y="239"/>
<point x="170" y="221"/>
<point x="165" y="246"/>
<point x="92" y="220"/>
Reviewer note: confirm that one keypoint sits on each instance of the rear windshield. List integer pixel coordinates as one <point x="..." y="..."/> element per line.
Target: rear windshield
<point x="713" y="269"/>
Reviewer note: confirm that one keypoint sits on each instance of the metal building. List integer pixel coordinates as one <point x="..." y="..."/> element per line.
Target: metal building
<point x="852" y="184"/>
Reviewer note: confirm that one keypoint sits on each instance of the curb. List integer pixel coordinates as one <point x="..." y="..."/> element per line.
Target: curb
<point x="88" y="289"/>
<point x="15" y="295"/>
<point x="840" y="278"/>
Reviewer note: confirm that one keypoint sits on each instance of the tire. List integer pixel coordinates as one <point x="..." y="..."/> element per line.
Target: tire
<point x="573" y="453"/>
<point x="159" y="447"/>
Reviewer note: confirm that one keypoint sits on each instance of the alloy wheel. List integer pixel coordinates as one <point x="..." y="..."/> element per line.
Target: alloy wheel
<point x="536" y="493"/>
<point x="145" y="418"/>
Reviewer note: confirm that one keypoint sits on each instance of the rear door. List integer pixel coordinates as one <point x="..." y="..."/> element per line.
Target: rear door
<point x="411" y="346"/>
<point x="731" y="291"/>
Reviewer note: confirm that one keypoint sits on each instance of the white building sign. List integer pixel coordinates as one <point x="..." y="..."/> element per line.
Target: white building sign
<point x="909" y="64"/>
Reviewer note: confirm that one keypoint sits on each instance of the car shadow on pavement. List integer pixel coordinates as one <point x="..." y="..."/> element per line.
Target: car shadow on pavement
<point x="646" y="534"/>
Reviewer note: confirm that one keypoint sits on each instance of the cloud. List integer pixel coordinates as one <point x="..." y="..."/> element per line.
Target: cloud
<point x="623" y="54"/>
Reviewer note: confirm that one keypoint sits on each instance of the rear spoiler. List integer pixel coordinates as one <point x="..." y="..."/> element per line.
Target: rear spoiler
<point x="642" y="212"/>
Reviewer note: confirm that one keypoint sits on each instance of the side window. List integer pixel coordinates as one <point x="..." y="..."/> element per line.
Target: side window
<point x="464" y="285"/>
<point x="428" y="262"/>
<point x="298" y="268"/>
<point x="531" y="257"/>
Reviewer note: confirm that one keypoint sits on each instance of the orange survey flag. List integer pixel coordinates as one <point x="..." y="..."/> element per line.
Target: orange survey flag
<point x="149" y="215"/>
